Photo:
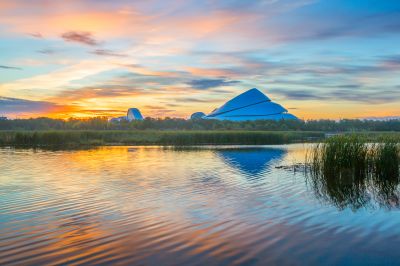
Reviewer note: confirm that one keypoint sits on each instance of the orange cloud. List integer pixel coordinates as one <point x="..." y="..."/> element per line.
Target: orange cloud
<point x="210" y="72"/>
<point x="54" y="19"/>
<point x="205" y="24"/>
<point x="7" y="5"/>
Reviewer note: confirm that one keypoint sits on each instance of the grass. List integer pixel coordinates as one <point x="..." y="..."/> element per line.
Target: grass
<point x="348" y="170"/>
<point x="177" y="138"/>
<point x="353" y="155"/>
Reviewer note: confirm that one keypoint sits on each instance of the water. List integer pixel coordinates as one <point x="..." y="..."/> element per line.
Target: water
<point x="204" y="206"/>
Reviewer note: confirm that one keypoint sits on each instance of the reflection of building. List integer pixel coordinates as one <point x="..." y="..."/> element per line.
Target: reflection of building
<point x="132" y="114"/>
<point x="250" y="161"/>
<point x="250" y="105"/>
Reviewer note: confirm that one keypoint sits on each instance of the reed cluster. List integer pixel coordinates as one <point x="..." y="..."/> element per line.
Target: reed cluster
<point x="349" y="170"/>
<point x="353" y="155"/>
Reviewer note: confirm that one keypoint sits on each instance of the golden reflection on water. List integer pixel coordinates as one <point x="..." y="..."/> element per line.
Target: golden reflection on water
<point x="162" y="206"/>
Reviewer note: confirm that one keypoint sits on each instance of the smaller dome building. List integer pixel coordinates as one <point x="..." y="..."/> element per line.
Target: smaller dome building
<point x="134" y="114"/>
<point x="197" y="115"/>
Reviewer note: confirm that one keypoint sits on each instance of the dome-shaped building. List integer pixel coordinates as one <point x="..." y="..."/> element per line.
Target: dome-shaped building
<point x="250" y="105"/>
<point x="134" y="114"/>
<point x="197" y="115"/>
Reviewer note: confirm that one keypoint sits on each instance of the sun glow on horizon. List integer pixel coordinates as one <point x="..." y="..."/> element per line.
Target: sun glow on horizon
<point x="89" y="58"/>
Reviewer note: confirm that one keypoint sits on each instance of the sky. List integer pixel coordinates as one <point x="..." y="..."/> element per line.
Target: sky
<point x="83" y="58"/>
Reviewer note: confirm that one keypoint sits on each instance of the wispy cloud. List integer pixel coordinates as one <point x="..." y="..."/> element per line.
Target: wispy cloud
<point x="36" y="35"/>
<point x="191" y="100"/>
<point x="47" y="51"/>
<point x="103" y="91"/>
<point x="200" y="51"/>
<point x="391" y="62"/>
<point x="10" y="67"/>
<point x="298" y="94"/>
<point x="359" y="96"/>
<point x="15" y="106"/>
<point x="106" y="52"/>
<point x="211" y="83"/>
<point x="80" y="37"/>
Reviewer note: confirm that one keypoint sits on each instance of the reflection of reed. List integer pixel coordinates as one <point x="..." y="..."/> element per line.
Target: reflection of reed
<point x="386" y="191"/>
<point x="348" y="172"/>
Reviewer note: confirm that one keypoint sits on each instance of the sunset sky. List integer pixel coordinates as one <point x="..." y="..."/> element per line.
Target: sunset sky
<point x="81" y="58"/>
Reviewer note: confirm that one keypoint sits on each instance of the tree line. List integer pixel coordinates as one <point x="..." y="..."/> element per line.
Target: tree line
<point x="102" y="123"/>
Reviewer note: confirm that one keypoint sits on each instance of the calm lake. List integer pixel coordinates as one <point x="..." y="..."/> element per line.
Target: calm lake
<point x="192" y="206"/>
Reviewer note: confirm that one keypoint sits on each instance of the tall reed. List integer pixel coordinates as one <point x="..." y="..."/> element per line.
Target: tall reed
<point x="347" y="170"/>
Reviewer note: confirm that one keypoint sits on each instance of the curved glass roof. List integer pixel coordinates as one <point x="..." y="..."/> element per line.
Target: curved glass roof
<point x="247" y="98"/>
<point x="250" y="105"/>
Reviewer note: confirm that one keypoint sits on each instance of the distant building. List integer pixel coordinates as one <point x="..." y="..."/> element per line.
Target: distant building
<point x="132" y="114"/>
<point x="197" y="115"/>
<point x="118" y="119"/>
<point x="381" y="118"/>
<point x="250" y="105"/>
<point x="3" y="118"/>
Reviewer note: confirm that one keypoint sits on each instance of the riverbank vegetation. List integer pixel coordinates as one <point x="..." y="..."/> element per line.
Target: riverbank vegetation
<point x="150" y="137"/>
<point x="168" y="131"/>
<point x="102" y="123"/>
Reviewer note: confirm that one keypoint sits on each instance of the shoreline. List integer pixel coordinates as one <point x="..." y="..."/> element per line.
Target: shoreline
<point x="90" y="138"/>
<point x="97" y="138"/>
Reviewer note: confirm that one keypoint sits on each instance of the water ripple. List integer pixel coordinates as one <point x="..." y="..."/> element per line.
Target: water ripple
<point x="162" y="206"/>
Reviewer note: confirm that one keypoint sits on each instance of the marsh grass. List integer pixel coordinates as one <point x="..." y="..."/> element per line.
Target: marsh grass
<point x="353" y="155"/>
<point x="144" y="137"/>
<point x="348" y="170"/>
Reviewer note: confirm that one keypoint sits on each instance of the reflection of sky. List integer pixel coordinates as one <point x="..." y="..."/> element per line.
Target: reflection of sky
<point x="178" y="204"/>
<point x="84" y="58"/>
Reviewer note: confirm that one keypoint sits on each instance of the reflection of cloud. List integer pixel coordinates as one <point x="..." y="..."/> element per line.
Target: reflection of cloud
<point x="79" y="37"/>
